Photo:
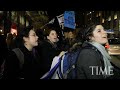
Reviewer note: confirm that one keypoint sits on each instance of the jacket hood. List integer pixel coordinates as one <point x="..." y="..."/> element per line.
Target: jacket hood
<point x="86" y="44"/>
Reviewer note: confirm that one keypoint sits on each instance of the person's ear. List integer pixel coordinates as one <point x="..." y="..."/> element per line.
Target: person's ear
<point x="48" y="37"/>
<point x="90" y="38"/>
<point x="25" y="39"/>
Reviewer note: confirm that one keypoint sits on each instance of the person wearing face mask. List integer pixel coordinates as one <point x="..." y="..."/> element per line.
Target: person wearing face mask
<point x="94" y="62"/>
<point x="48" y="49"/>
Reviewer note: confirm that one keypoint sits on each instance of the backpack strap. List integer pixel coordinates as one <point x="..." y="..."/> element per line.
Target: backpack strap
<point x="20" y="56"/>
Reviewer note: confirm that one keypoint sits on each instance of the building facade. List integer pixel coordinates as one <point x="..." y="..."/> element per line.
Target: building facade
<point x="109" y="19"/>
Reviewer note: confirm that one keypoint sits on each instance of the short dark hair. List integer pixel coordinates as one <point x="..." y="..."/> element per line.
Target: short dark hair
<point x="89" y="30"/>
<point x="48" y="29"/>
<point x="23" y="33"/>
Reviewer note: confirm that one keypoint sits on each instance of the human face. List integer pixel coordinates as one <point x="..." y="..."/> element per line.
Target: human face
<point x="99" y="35"/>
<point x="71" y="35"/>
<point x="53" y="36"/>
<point x="31" y="41"/>
<point x="33" y="38"/>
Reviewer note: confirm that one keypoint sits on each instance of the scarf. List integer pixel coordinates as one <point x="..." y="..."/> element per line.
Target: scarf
<point x="54" y="45"/>
<point x="106" y="56"/>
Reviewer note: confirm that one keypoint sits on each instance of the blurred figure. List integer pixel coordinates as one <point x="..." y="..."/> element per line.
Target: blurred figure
<point x="27" y="40"/>
<point x="71" y="41"/>
<point x="3" y="53"/>
<point x="9" y="41"/>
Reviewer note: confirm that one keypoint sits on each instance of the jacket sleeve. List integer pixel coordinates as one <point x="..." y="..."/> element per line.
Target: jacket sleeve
<point x="88" y="65"/>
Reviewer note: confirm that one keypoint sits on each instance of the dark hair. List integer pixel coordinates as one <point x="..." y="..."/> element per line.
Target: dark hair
<point x="40" y="34"/>
<point x="48" y="29"/>
<point x="23" y="33"/>
<point x="89" y="31"/>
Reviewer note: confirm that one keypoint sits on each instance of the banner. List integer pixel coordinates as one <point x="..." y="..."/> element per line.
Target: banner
<point x="61" y="20"/>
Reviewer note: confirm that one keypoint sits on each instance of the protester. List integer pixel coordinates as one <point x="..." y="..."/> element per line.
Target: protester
<point x="94" y="62"/>
<point x="27" y="40"/>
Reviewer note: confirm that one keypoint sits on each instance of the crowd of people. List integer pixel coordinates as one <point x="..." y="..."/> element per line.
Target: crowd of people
<point x="39" y="47"/>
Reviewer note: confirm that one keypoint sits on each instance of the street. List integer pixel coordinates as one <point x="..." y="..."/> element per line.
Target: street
<point x="116" y="60"/>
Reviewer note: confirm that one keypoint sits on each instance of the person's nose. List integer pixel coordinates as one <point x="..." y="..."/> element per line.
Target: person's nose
<point x="104" y="31"/>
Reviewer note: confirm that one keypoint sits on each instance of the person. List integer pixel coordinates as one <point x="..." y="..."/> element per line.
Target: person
<point x="3" y="53"/>
<point x="9" y="41"/>
<point x="27" y="40"/>
<point x="71" y="41"/>
<point x="94" y="62"/>
<point x="48" y="49"/>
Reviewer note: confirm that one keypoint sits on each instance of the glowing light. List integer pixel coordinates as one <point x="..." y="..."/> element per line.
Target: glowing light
<point x="0" y="30"/>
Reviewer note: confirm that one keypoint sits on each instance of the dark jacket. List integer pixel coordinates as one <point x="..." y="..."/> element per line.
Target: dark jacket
<point x="31" y="67"/>
<point x="47" y="52"/>
<point x="3" y="51"/>
<point x="89" y="57"/>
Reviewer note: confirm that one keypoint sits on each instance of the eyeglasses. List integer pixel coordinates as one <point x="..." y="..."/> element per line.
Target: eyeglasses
<point x="33" y="35"/>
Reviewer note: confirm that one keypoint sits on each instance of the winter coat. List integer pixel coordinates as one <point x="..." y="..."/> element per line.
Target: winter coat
<point x="30" y="70"/>
<point x="88" y="58"/>
<point x="47" y="52"/>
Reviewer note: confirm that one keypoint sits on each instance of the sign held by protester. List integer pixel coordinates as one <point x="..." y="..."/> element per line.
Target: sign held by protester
<point x="61" y="20"/>
<point x="69" y="19"/>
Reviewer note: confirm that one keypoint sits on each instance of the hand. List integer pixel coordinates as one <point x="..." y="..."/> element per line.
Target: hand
<point x="61" y="53"/>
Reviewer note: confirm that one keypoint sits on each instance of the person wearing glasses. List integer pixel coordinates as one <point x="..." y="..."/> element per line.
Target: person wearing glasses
<point x="26" y="40"/>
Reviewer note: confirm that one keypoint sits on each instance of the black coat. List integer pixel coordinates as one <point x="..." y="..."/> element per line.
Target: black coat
<point x="89" y="57"/>
<point x="3" y="51"/>
<point x="47" y="52"/>
<point x="31" y="67"/>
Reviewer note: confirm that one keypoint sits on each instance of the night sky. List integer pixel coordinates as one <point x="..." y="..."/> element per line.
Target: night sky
<point x="53" y="13"/>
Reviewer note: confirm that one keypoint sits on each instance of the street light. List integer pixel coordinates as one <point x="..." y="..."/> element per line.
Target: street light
<point x="1" y="12"/>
